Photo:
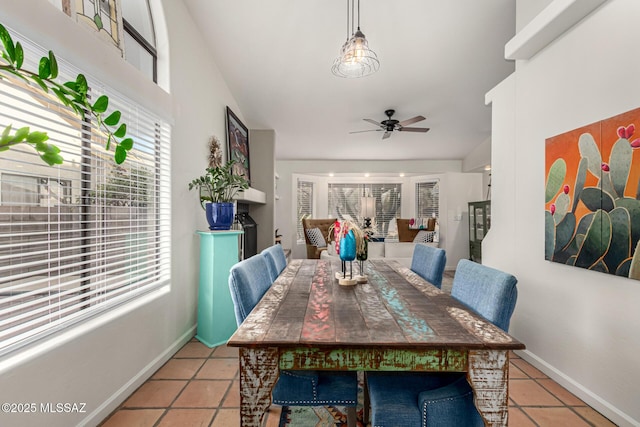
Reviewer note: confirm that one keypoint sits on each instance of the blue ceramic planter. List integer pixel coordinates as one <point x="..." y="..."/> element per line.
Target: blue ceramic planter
<point x="219" y="215"/>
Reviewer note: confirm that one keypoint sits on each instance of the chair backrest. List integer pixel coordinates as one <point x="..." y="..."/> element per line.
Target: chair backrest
<point x="276" y="260"/>
<point x="322" y="223"/>
<point x="491" y="293"/>
<point x="248" y="281"/>
<point x="428" y="262"/>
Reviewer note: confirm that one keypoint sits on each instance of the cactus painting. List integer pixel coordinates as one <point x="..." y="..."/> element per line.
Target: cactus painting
<point x="592" y="196"/>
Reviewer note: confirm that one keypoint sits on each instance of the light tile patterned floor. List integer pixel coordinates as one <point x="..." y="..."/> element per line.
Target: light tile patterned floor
<point x="199" y="387"/>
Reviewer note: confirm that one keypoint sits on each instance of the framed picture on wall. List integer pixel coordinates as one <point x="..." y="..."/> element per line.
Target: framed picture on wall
<point x="238" y="140"/>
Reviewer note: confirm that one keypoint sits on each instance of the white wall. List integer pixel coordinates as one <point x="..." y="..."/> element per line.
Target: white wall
<point x="456" y="189"/>
<point x="103" y="361"/>
<point x="580" y="327"/>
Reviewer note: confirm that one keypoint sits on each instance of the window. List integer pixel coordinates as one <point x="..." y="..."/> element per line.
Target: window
<point x="305" y="206"/>
<point x="79" y="238"/>
<point x="345" y="203"/>
<point x="428" y="199"/>
<point x="139" y="37"/>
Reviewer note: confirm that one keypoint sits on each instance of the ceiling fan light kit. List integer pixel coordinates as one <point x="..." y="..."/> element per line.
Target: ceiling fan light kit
<point x="355" y="59"/>
<point x="390" y="125"/>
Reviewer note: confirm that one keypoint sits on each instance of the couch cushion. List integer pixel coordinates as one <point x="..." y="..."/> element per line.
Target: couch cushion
<point x="424" y="236"/>
<point x="315" y="237"/>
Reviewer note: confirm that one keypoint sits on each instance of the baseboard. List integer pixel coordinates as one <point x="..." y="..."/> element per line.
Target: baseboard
<point x="590" y="398"/>
<point x="102" y="411"/>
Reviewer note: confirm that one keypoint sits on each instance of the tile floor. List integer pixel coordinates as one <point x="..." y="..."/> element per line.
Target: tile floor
<point x="198" y="386"/>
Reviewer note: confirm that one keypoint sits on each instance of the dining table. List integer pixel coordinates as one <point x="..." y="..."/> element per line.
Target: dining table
<point x="396" y="321"/>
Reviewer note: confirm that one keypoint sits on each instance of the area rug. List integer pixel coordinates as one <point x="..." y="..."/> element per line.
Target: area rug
<point x="322" y="416"/>
<point x="317" y="416"/>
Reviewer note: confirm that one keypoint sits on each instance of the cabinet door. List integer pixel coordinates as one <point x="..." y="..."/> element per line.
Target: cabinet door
<point x="472" y="223"/>
<point x="479" y="223"/>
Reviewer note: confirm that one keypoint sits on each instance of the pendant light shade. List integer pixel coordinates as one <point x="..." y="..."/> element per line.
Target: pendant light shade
<point x="355" y="59"/>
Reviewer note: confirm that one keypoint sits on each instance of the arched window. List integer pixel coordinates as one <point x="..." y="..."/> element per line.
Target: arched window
<point x="139" y="37"/>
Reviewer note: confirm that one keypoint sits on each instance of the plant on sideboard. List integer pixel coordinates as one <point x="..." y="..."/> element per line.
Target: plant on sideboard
<point x="72" y="94"/>
<point x="217" y="188"/>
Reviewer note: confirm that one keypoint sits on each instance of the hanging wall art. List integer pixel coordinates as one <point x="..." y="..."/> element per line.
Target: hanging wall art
<point x="592" y="196"/>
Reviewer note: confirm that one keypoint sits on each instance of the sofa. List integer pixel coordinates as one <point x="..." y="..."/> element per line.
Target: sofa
<point x="399" y="251"/>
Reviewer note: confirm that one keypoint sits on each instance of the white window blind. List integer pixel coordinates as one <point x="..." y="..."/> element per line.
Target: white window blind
<point x="79" y="238"/>
<point x="428" y="199"/>
<point x="345" y="203"/>
<point x="304" y="206"/>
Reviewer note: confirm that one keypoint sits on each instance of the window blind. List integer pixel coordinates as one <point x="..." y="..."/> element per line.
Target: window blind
<point x="82" y="237"/>
<point x="345" y="202"/>
<point x="428" y="199"/>
<point x="304" y="206"/>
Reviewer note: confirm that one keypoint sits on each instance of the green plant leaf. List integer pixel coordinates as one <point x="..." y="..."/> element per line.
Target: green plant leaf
<point x="549" y="236"/>
<point x="52" y="159"/>
<point x="113" y="118"/>
<point x="101" y="104"/>
<point x="596" y="242"/>
<point x="19" y="55"/>
<point x="589" y="149"/>
<point x="621" y="235"/>
<point x="121" y="131"/>
<point x="21" y="134"/>
<point x="36" y="137"/>
<point x="40" y="82"/>
<point x="581" y="176"/>
<point x="121" y="155"/>
<point x="5" y="137"/>
<point x="44" y="68"/>
<point x="61" y="96"/>
<point x="53" y="65"/>
<point x="8" y="44"/>
<point x="555" y="178"/>
<point x="127" y="144"/>
<point x="620" y="165"/>
<point x="81" y="85"/>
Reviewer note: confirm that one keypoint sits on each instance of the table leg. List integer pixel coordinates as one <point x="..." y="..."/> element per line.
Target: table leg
<point x="258" y="375"/>
<point x="488" y="375"/>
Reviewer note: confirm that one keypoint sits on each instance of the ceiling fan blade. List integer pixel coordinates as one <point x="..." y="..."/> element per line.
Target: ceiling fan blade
<point x="386" y="135"/>
<point x="413" y="130"/>
<point x="370" y="130"/>
<point x="373" y="122"/>
<point x="410" y="121"/>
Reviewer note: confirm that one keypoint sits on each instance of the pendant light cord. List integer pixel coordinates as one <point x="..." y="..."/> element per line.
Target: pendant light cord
<point x="358" y="14"/>
<point x="353" y="14"/>
<point x="347" y="19"/>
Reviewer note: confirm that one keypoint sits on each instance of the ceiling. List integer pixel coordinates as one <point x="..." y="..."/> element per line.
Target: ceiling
<point x="437" y="59"/>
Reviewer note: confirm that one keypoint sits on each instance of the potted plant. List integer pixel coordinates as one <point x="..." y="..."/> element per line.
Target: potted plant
<point x="217" y="188"/>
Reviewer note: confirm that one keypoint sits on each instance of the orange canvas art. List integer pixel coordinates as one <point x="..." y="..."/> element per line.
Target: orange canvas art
<point x="592" y="196"/>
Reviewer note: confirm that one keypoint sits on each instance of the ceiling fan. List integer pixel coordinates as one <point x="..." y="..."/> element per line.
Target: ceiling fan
<point x="391" y="125"/>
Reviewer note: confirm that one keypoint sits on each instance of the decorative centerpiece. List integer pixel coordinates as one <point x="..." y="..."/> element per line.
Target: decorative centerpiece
<point x="351" y="243"/>
<point x="217" y="187"/>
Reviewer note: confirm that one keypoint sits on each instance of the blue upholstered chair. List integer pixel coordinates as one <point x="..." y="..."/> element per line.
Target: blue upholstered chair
<point x="428" y="262"/>
<point x="444" y="400"/>
<point x="276" y="260"/>
<point x="249" y="280"/>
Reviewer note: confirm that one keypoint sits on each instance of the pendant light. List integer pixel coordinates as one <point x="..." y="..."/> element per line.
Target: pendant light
<point x="355" y="59"/>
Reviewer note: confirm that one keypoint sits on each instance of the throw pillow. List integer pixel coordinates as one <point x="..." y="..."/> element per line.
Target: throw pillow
<point x="424" y="236"/>
<point x="316" y="238"/>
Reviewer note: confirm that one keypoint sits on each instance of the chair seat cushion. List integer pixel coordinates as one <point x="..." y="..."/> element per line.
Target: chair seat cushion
<point x="397" y="398"/>
<point x="314" y="388"/>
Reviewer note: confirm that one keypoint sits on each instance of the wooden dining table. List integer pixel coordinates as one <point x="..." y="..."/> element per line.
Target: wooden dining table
<point x="395" y="322"/>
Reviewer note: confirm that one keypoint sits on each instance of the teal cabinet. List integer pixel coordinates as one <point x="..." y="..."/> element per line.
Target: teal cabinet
<point x="216" y="318"/>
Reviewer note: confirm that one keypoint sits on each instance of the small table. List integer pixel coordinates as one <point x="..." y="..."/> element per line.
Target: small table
<point x="396" y="322"/>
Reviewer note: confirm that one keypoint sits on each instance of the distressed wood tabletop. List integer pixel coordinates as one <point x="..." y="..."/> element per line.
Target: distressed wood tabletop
<point x="395" y="322"/>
